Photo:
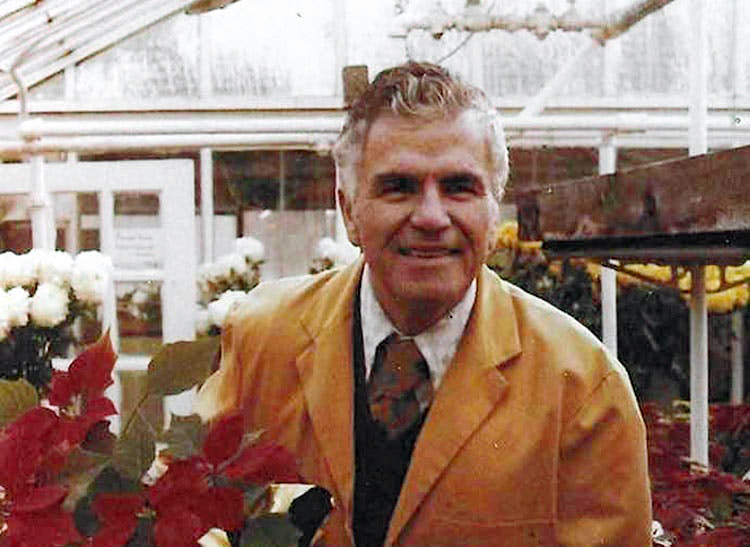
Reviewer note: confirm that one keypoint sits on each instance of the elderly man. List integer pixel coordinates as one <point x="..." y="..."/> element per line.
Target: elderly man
<point x="437" y="403"/>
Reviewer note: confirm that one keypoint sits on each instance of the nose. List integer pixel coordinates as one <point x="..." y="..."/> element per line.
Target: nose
<point x="430" y="212"/>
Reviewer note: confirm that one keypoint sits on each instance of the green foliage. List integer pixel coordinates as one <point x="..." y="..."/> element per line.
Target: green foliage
<point x="181" y="365"/>
<point x="652" y="322"/>
<point x="103" y="490"/>
<point x="134" y="449"/>
<point x="16" y="397"/>
<point x="184" y="436"/>
<point x="653" y="335"/>
<point x="107" y="481"/>
<point x="270" y="531"/>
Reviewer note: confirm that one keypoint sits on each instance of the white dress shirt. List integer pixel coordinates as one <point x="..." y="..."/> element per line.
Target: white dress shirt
<point x="437" y="344"/>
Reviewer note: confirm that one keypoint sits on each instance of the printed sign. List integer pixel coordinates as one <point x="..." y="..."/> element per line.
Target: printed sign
<point x="137" y="248"/>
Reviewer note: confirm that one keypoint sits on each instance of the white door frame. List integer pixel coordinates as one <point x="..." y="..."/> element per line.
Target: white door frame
<point x="173" y="180"/>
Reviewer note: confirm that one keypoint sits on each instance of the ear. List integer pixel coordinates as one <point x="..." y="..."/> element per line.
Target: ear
<point x="346" y="210"/>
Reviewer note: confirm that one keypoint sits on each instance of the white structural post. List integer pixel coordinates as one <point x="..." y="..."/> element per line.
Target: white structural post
<point x="207" y="203"/>
<point x="698" y="367"/>
<point x="739" y="75"/>
<point x="607" y="165"/>
<point x="42" y="227"/>
<point x="737" y="394"/>
<point x="107" y="247"/>
<point x="698" y="137"/>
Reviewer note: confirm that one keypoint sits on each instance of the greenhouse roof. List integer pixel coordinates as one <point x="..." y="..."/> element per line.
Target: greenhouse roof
<point x="39" y="38"/>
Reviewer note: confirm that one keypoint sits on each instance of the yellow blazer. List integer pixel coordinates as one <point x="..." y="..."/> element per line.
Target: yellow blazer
<point x="533" y="438"/>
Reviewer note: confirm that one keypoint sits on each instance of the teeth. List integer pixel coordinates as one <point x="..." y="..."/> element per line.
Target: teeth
<point x="423" y="253"/>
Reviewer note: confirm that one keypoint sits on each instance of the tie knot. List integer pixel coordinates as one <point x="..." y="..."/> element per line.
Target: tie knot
<point x="400" y="352"/>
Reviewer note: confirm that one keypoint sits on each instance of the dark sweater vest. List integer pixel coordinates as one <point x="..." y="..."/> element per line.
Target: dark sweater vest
<point x="380" y="464"/>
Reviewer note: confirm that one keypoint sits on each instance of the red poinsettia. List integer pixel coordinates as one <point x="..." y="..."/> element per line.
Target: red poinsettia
<point x="62" y="456"/>
<point x="201" y="492"/>
<point x="35" y="447"/>
<point x="698" y="506"/>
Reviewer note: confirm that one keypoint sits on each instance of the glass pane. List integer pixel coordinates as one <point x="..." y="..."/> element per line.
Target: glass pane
<point x="246" y="180"/>
<point x="309" y="180"/>
<point x="139" y="316"/>
<point x="15" y="225"/>
<point x="138" y="231"/>
<point x="161" y="61"/>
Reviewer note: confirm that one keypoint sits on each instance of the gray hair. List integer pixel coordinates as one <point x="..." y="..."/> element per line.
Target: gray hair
<point x="420" y="90"/>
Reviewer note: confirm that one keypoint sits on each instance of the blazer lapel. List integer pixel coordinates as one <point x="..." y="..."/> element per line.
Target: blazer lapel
<point x="325" y="369"/>
<point x="470" y="390"/>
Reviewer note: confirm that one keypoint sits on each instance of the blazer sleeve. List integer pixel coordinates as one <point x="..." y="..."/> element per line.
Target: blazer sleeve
<point x="603" y="492"/>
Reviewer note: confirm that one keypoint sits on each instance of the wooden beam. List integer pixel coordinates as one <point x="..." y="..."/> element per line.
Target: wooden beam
<point x="704" y="194"/>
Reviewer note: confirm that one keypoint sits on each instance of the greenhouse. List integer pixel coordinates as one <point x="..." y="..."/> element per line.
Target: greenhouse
<point x="176" y="153"/>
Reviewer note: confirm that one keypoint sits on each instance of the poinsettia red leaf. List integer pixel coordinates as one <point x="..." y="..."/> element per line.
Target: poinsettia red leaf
<point x="98" y="409"/>
<point x="41" y="498"/>
<point x="178" y="529"/>
<point x="224" y="438"/>
<point x="24" y="447"/>
<point x="118" y="508"/>
<point x="118" y="514"/>
<point x="61" y="389"/>
<point x="224" y="508"/>
<point x="70" y="432"/>
<point x="50" y="528"/>
<point x="91" y="371"/>
<point x="182" y="478"/>
<point x="35" y="423"/>
<point x="113" y="536"/>
<point x="263" y="463"/>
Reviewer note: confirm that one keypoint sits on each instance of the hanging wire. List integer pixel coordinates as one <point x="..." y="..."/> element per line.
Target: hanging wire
<point x="455" y="49"/>
<point x="464" y="41"/>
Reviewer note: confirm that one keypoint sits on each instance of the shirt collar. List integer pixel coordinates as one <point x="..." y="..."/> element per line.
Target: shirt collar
<point x="437" y="344"/>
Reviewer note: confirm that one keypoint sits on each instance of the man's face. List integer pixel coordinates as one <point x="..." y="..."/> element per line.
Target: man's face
<point x="423" y="211"/>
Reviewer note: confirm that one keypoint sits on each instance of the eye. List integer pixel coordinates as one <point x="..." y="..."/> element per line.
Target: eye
<point x="398" y="184"/>
<point x="458" y="184"/>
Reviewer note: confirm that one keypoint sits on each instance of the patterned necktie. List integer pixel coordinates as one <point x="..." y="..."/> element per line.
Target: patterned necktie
<point x="399" y="390"/>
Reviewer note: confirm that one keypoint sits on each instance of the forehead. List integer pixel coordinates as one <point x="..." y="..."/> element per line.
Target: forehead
<point x="458" y="141"/>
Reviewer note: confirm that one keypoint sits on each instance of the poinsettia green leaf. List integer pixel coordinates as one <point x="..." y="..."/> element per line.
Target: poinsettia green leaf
<point x="16" y="397"/>
<point x="257" y="499"/>
<point x="184" y="437"/>
<point x="135" y="449"/>
<point x="80" y="470"/>
<point x="108" y="480"/>
<point x="181" y="365"/>
<point x="270" y="531"/>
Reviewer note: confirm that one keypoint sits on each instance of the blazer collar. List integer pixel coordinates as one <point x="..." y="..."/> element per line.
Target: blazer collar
<point x="472" y="387"/>
<point x="325" y="369"/>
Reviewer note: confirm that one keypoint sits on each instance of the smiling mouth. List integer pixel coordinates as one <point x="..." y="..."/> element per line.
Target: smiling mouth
<point x="426" y="253"/>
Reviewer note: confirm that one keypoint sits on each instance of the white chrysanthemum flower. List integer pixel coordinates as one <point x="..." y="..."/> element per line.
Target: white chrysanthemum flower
<point x="19" y="270"/>
<point x="91" y="273"/>
<point x="228" y="264"/>
<point x="250" y="247"/>
<point x="339" y="253"/>
<point x="49" y="305"/>
<point x="54" y="267"/>
<point x="5" y="325"/>
<point x="140" y="296"/>
<point x="326" y="249"/>
<point x="19" y="303"/>
<point x="218" y="309"/>
<point x="7" y="260"/>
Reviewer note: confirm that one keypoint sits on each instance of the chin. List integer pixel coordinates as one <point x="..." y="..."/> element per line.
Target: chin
<point x="430" y="291"/>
